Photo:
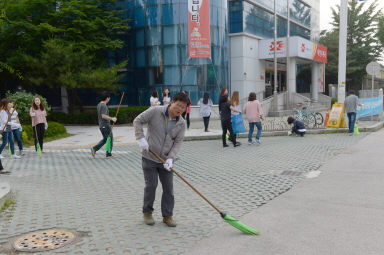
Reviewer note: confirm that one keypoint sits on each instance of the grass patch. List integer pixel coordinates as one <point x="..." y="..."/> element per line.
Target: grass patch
<point x="47" y="139"/>
<point x="8" y="202"/>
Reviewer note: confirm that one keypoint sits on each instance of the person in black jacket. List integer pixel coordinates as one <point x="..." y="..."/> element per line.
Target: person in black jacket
<point x="298" y="126"/>
<point x="225" y="114"/>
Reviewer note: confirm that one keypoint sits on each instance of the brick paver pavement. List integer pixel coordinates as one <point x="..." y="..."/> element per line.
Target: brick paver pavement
<point x="103" y="197"/>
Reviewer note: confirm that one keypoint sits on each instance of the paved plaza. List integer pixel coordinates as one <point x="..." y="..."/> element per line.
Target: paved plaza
<point x="102" y="198"/>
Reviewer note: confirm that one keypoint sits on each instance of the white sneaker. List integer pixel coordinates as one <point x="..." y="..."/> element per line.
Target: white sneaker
<point x="1" y="156"/>
<point x="21" y="153"/>
<point x="15" y="156"/>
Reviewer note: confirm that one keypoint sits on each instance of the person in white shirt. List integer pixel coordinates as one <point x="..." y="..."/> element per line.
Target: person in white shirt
<point x="166" y="97"/>
<point x="205" y="104"/>
<point x="5" y="113"/>
<point x="154" y="100"/>
<point x="16" y="131"/>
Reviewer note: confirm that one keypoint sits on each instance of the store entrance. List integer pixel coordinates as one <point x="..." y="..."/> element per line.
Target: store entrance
<point x="269" y="82"/>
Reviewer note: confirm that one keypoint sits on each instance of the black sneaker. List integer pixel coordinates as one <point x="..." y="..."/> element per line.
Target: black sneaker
<point x="225" y="145"/>
<point x="236" y="144"/>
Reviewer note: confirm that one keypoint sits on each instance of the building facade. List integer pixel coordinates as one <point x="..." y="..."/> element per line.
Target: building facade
<point x="157" y="48"/>
<point x="251" y="27"/>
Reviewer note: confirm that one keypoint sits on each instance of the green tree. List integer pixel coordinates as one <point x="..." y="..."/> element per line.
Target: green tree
<point x="66" y="39"/>
<point x="363" y="45"/>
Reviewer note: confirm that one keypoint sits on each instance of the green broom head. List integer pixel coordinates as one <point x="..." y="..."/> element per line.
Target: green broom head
<point x="108" y="145"/>
<point x="227" y="136"/>
<point x="239" y="225"/>
<point x="356" y="129"/>
<point x="38" y="149"/>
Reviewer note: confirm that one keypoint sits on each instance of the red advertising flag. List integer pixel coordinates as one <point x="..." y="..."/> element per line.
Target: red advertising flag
<point x="199" y="39"/>
<point x="319" y="53"/>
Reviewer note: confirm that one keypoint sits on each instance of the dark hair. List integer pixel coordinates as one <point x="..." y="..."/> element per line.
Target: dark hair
<point x="105" y="95"/>
<point x="4" y="103"/>
<point x="169" y="94"/>
<point x="205" y="98"/>
<point x="290" y="120"/>
<point x="351" y="92"/>
<point x="181" y="96"/>
<point x="154" y="93"/>
<point x="223" y="99"/>
<point x="252" y="96"/>
<point x="222" y="91"/>
<point x="35" y="106"/>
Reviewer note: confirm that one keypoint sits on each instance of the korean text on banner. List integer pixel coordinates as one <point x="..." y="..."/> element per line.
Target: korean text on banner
<point x="199" y="40"/>
<point x="372" y="106"/>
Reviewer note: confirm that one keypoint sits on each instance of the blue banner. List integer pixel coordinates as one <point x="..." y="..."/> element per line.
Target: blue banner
<point x="371" y="106"/>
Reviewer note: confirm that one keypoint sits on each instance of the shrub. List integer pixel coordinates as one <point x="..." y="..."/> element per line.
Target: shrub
<point x="23" y="100"/>
<point x="333" y="100"/>
<point x="54" y="129"/>
<point x="126" y="115"/>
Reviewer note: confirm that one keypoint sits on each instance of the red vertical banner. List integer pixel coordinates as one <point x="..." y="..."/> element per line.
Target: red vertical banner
<point x="199" y="38"/>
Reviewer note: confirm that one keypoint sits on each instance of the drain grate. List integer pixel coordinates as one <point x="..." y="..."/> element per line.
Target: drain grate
<point x="291" y="173"/>
<point x="44" y="240"/>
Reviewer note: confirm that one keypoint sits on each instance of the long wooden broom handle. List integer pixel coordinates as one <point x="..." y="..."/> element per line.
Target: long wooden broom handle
<point x="117" y="112"/>
<point x="9" y="118"/>
<point x="184" y="180"/>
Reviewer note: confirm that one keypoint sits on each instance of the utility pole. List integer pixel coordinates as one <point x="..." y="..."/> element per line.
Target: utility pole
<point x="275" y="57"/>
<point x="342" y="50"/>
<point x="287" y="76"/>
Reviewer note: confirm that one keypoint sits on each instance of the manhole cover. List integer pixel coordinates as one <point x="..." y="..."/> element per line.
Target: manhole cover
<point x="44" y="240"/>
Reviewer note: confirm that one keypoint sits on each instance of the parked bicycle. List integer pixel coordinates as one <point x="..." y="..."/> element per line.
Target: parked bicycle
<point x="310" y="117"/>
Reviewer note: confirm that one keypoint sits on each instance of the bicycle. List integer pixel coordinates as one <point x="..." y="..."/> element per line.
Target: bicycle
<point x="311" y="118"/>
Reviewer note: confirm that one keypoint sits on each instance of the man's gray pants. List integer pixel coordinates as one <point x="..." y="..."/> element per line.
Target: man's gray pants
<point x="152" y="172"/>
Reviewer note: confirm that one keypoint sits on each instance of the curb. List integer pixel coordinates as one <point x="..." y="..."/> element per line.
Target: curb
<point x="373" y="128"/>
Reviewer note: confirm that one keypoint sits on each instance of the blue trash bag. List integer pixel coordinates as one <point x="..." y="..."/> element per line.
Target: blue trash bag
<point x="238" y="124"/>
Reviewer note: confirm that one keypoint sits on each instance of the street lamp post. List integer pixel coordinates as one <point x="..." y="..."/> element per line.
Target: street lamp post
<point x="342" y="50"/>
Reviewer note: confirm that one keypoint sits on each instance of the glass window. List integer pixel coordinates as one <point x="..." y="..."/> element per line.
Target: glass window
<point x="170" y="34"/>
<point x="153" y="36"/>
<point x="184" y="9"/>
<point x="300" y="13"/>
<point x="140" y="57"/>
<point x="170" y="14"/>
<point x="171" y="75"/>
<point x="140" y="38"/>
<point x="153" y="15"/>
<point x="139" y="17"/>
<point x="189" y="75"/>
<point x="155" y="56"/>
<point x="171" y="56"/>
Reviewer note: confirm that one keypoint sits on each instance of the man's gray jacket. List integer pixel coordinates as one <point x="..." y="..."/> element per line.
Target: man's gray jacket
<point x="165" y="145"/>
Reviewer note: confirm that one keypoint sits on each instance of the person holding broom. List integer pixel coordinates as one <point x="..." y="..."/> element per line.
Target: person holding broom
<point x="164" y="136"/>
<point x="104" y="124"/>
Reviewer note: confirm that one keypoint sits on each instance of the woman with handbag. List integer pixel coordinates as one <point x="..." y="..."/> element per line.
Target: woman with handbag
<point x="254" y="113"/>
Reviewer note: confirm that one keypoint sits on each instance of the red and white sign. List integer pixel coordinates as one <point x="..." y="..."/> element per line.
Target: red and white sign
<point x="199" y="39"/>
<point x="298" y="47"/>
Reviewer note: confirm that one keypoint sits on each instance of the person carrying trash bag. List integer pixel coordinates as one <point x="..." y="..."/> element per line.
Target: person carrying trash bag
<point x="298" y="127"/>
<point x="225" y="109"/>
<point x="104" y="124"/>
<point x="165" y="134"/>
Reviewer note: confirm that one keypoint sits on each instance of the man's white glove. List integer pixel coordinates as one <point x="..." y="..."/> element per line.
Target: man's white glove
<point x="114" y="119"/>
<point x="20" y="128"/>
<point x="143" y="144"/>
<point x="168" y="164"/>
<point x="46" y="125"/>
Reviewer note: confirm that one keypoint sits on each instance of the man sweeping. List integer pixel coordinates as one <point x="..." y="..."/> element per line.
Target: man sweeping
<point x="164" y="136"/>
<point x="104" y="124"/>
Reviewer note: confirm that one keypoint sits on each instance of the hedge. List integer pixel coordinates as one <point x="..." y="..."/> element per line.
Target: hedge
<point x="54" y="129"/>
<point x="126" y="115"/>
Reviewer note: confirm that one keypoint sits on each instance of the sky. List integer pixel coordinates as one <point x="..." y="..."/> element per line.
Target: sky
<point x="326" y="14"/>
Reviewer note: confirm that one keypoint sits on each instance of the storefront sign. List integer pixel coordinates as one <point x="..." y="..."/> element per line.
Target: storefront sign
<point x="298" y="47"/>
<point x="199" y="41"/>
<point x="336" y="116"/>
